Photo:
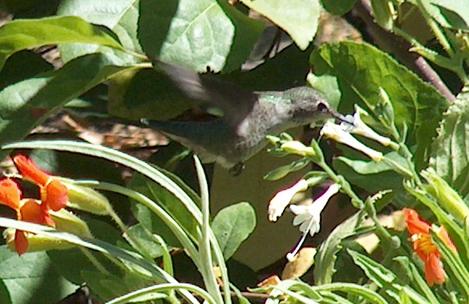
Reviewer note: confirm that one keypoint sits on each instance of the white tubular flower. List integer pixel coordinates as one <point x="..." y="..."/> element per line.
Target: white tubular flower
<point x="338" y="134"/>
<point x="283" y="198"/>
<point x="309" y="216"/>
<point x="360" y="128"/>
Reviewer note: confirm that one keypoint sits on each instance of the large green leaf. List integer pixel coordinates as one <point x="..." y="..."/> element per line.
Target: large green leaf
<point x="361" y="71"/>
<point x="119" y="16"/>
<point x="299" y="18"/>
<point x="450" y="151"/>
<point x="18" y="35"/>
<point x="31" y="278"/>
<point x="200" y="34"/>
<point x="232" y="225"/>
<point x="25" y="104"/>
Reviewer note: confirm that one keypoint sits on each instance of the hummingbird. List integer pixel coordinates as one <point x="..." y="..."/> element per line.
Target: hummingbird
<point x="248" y="116"/>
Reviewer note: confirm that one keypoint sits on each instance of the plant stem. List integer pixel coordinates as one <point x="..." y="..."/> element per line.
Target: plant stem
<point x="204" y="239"/>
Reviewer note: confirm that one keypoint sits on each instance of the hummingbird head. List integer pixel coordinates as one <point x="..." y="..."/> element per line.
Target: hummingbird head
<point x="308" y="105"/>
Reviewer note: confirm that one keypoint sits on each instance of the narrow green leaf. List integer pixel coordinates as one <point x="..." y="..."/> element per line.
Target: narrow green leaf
<point x="379" y="274"/>
<point x="417" y="278"/>
<point x="455" y="264"/>
<point x="232" y="225"/>
<point x="299" y="18"/>
<point x="18" y="35"/>
<point x="283" y="171"/>
<point x="326" y="256"/>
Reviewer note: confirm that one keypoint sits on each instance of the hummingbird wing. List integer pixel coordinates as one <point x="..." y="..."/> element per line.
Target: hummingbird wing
<point x="213" y="140"/>
<point x="235" y="102"/>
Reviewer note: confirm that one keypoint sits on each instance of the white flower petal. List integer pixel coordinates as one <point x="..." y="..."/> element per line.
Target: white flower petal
<point x="282" y="199"/>
<point x="338" y="134"/>
<point x="360" y="128"/>
<point x="309" y="217"/>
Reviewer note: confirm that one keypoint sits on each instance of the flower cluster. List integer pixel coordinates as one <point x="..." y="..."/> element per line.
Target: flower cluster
<point x="53" y="197"/>
<point x="354" y="125"/>
<point x="308" y="217"/>
<point x="424" y="246"/>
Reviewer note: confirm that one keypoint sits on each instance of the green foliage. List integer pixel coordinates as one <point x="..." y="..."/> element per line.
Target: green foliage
<point x="232" y="225"/>
<point x="362" y="69"/>
<point x="42" y="95"/>
<point x="407" y="149"/>
<point x="199" y="34"/>
<point x="299" y="18"/>
<point x="450" y="152"/>
<point x="23" y="34"/>
<point x="31" y="277"/>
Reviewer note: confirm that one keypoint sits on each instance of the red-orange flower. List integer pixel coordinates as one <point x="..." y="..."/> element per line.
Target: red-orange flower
<point x="424" y="246"/>
<point x="29" y="210"/>
<point x="53" y="192"/>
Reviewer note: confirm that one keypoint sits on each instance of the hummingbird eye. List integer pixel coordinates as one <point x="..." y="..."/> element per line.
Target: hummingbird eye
<point x="322" y="107"/>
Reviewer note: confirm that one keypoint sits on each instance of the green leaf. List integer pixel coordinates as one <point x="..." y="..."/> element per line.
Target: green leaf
<point x="168" y="201"/>
<point x="119" y="16"/>
<point x="22" y="65"/>
<point x="145" y="93"/>
<point x="325" y="258"/>
<point x="18" y="35"/>
<point x="452" y="14"/>
<point x="450" y="150"/>
<point x="232" y="225"/>
<point x="369" y="175"/>
<point x="382" y="13"/>
<point x="328" y="86"/>
<point x="199" y="34"/>
<point x="283" y="171"/>
<point x="338" y="7"/>
<point x="361" y="71"/>
<point x="144" y="241"/>
<point x="416" y="278"/>
<point x="27" y="103"/>
<point x="31" y="278"/>
<point x="299" y="18"/>
<point x="271" y="75"/>
<point x="380" y="275"/>
<point x="107" y="286"/>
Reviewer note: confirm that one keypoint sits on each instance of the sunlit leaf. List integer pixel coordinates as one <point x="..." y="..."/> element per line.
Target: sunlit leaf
<point x="232" y="225"/>
<point x="18" y="35"/>
<point x="299" y="18"/>
<point x="199" y="34"/>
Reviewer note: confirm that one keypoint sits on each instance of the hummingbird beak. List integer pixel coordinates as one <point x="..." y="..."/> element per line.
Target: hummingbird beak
<point x="341" y="117"/>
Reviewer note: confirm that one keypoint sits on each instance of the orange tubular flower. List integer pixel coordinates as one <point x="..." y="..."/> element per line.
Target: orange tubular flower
<point x="53" y="192"/>
<point x="424" y="246"/>
<point x="26" y="210"/>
